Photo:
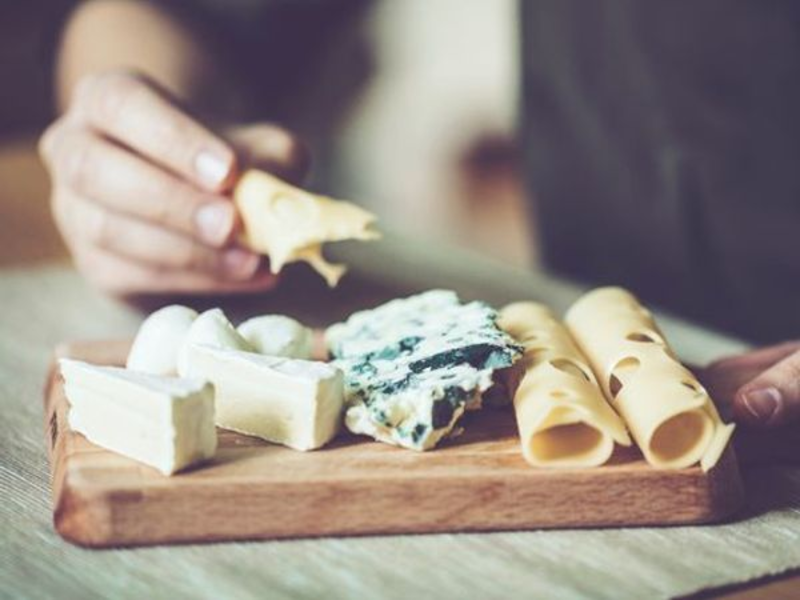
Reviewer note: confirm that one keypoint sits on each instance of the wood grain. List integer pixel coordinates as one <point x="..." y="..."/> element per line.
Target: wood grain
<point x="256" y="490"/>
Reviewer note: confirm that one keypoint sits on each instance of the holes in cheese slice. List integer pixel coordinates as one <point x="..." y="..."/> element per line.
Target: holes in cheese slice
<point x="695" y="387"/>
<point x="570" y="367"/>
<point x="643" y="337"/>
<point x="681" y="440"/>
<point x="573" y="444"/>
<point x="621" y="374"/>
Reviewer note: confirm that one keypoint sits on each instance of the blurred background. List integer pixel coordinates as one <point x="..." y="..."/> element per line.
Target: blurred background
<point x="426" y="139"/>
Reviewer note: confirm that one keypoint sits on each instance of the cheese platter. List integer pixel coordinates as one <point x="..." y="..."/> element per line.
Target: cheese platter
<point x="468" y="471"/>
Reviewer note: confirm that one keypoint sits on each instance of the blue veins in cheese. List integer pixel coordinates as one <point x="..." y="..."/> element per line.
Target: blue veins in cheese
<point x="413" y="366"/>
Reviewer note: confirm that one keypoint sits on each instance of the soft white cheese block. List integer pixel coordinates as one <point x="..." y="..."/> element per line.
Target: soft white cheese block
<point x="278" y="335"/>
<point x="297" y="403"/>
<point x="212" y="328"/>
<point x="155" y="349"/>
<point x="165" y="422"/>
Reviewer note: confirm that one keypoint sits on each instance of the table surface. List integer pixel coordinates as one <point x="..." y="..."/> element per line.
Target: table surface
<point x="45" y="302"/>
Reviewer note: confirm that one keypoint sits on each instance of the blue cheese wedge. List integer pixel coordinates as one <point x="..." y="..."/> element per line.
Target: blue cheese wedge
<point x="413" y="366"/>
<point x="164" y="422"/>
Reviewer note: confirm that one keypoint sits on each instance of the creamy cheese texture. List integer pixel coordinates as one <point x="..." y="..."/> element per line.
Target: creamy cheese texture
<point x="164" y="422"/>
<point x="289" y="224"/>
<point x="159" y="339"/>
<point x="297" y="403"/>
<point x="211" y="328"/>
<point x="669" y="413"/>
<point x="564" y="419"/>
<point x="278" y="335"/>
<point x="414" y="365"/>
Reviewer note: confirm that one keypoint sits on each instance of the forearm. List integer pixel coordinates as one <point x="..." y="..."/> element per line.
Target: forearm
<point x="103" y="35"/>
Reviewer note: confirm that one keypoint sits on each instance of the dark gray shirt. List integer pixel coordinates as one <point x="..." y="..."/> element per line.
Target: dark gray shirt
<point x="662" y="146"/>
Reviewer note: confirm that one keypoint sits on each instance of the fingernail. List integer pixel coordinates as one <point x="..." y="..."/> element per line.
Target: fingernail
<point x="763" y="403"/>
<point x="212" y="168"/>
<point x="214" y="222"/>
<point x="240" y="263"/>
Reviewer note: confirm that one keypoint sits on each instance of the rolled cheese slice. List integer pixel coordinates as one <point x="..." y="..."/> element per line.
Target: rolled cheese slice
<point x="563" y="418"/>
<point x="159" y="339"/>
<point x="671" y="416"/>
<point x="277" y="335"/>
<point x="212" y="328"/>
<point x="290" y="224"/>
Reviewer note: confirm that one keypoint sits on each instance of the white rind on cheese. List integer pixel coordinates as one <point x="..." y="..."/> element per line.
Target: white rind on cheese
<point x="297" y="403"/>
<point x="278" y="335"/>
<point x="212" y="328"/>
<point x="159" y="339"/>
<point x="164" y="422"/>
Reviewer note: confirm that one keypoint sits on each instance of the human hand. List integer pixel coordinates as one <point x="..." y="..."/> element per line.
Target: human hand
<point x="139" y="190"/>
<point x="762" y="386"/>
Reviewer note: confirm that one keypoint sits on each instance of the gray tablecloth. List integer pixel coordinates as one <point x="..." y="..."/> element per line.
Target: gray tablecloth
<point x="43" y="306"/>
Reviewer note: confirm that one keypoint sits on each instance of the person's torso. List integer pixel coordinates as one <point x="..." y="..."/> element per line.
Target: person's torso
<point x="663" y="152"/>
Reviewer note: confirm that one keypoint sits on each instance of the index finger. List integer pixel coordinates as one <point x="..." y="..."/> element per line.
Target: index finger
<point x="134" y="112"/>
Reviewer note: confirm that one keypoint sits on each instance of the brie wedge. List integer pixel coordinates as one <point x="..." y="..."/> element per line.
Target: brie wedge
<point x="297" y="403"/>
<point x="277" y="335"/>
<point x="155" y="349"/>
<point x="164" y="422"/>
<point x="211" y="328"/>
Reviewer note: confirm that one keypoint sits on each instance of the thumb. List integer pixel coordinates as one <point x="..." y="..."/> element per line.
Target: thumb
<point x="773" y="398"/>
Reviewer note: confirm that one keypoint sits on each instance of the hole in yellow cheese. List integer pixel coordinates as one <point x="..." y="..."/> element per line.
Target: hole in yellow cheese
<point x="681" y="436"/>
<point x="642" y="337"/>
<point x="621" y="374"/>
<point x="568" y="366"/>
<point x="573" y="442"/>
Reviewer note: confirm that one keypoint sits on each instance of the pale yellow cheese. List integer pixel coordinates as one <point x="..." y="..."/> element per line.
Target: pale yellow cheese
<point x="669" y="413"/>
<point x="563" y="418"/>
<point x="289" y="224"/>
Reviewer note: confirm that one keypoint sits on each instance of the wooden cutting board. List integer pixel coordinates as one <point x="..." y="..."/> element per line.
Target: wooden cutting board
<point x="256" y="490"/>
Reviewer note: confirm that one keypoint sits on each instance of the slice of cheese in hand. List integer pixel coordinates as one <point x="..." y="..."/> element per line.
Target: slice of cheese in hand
<point x="563" y="418"/>
<point x="164" y="422"/>
<point x="290" y="224"/>
<point x="211" y="328"/>
<point x="277" y="335"/>
<point x="297" y="403"/>
<point x="160" y="337"/>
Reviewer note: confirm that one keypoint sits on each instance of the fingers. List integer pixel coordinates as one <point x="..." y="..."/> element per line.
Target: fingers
<point x="271" y="148"/>
<point x="148" y="243"/>
<point x="773" y="398"/>
<point x="761" y="358"/>
<point x="124" y="278"/>
<point x="132" y="111"/>
<point x="94" y="167"/>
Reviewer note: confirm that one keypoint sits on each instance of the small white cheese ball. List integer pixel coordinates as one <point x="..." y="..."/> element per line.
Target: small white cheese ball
<point x="155" y="349"/>
<point x="277" y="335"/>
<point x="211" y="328"/>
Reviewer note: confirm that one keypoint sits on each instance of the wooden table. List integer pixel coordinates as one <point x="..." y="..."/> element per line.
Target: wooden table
<point x="28" y="239"/>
